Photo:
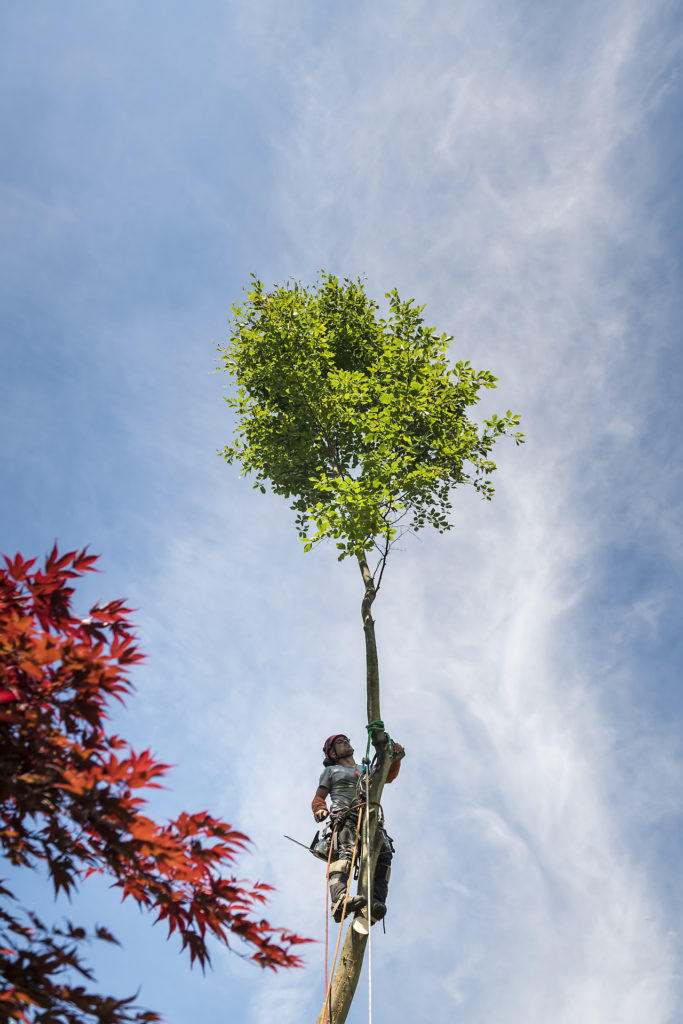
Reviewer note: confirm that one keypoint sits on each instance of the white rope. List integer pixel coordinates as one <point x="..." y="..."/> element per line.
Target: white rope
<point x="369" y="907"/>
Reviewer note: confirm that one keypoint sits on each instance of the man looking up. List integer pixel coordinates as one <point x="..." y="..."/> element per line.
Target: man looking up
<point x="339" y="781"/>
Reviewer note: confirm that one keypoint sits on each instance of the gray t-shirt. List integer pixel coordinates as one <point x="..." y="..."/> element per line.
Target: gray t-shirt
<point x="341" y="780"/>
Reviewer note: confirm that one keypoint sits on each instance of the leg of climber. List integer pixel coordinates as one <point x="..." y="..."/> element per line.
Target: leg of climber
<point x="380" y="886"/>
<point x="340" y="868"/>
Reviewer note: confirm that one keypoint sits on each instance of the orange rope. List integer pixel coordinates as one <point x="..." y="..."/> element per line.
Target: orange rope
<point x="328" y="989"/>
<point x="327" y="885"/>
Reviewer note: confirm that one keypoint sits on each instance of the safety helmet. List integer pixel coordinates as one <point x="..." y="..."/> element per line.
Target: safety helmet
<point x="327" y="747"/>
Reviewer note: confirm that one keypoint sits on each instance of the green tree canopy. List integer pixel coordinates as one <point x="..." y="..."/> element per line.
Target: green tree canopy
<point x="357" y="418"/>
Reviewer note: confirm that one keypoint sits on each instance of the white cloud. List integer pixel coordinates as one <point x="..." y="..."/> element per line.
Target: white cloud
<point x="475" y="156"/>
<point x="485" y="185"/>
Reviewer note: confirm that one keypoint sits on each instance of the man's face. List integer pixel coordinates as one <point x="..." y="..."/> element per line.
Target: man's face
<point x="342" y="747"/>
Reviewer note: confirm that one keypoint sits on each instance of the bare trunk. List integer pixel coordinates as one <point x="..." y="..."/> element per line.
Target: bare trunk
<point x="371" y="662"/>
<point x="350" y="963"/>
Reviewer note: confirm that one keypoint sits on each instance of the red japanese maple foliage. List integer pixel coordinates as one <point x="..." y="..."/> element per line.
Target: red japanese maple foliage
<point x="71" y="799"/>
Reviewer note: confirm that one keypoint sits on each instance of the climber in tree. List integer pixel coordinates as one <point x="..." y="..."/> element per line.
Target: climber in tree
<point x="339" y="780"/>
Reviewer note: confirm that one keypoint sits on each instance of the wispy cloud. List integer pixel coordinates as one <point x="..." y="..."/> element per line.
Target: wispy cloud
<point x="489" y="182"/>
<point x="502" y="163"/>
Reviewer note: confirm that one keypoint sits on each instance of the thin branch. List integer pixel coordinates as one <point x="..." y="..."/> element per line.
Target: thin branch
<point x="388" y="544"/>
<point x="383" y="561"/>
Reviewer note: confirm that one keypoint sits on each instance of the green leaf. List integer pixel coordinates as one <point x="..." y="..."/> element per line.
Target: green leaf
<point x="357" y="418"/>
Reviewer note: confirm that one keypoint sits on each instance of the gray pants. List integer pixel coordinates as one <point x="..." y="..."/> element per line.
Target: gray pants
<point x="341" y="864"/>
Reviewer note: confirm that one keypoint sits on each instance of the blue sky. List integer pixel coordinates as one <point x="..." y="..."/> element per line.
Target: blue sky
<point x="515" y="167"/>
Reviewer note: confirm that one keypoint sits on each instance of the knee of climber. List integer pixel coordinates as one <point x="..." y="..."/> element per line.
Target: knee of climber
<point x="387" y="848"/>
<point x="380" y="886"/>
<point x="346" y="841"/>
<point x="339" y="881"/>
<point x="384" y="857"/>
<point x="340" y="867"/>
<point x="383" y="871"/>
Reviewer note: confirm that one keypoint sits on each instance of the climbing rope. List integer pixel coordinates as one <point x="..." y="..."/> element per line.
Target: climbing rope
<point x="328" y="991"/>
<point x="327" y="885"/>
<point x="375" y="726"/>
<point x="368" y="860"/>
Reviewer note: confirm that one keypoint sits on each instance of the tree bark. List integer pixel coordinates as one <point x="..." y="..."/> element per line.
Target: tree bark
<point x="348" y="970"/>
<point x="371" y="661"/>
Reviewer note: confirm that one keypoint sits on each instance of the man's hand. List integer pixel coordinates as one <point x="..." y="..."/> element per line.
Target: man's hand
<point x="397" y="751"/>
<point x="318" y="805"/>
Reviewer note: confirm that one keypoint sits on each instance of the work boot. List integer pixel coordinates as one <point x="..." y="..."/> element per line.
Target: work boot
<point x="379" y="909"/>
<point x="353" y="905"/>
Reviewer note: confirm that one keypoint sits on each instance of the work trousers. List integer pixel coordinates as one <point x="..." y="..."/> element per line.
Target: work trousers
<point x="343" y="854"/>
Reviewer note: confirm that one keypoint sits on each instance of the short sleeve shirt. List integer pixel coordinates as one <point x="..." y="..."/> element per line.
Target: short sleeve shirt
<point x="341" y="780"/>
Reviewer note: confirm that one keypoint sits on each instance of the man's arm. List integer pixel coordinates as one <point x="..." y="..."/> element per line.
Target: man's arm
<point x="320" y="811"/>
<point x="397" y="755"/>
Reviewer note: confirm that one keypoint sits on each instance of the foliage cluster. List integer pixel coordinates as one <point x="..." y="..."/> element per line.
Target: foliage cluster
<point x="357" y="418"/>
<point x="71" y="799"/>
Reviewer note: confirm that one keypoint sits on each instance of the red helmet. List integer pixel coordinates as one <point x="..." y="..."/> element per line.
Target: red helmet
<point x="327" y="747"/>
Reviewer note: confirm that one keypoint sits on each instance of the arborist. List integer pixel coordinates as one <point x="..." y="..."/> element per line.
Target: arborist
<point x="339" y="780"/>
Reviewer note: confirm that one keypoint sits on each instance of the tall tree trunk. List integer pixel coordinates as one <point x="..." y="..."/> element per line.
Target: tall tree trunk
<point x="348" y="970"/>
<point x="371" y="661"/>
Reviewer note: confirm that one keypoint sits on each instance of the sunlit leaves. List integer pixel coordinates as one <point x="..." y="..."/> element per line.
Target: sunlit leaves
<point x="71" y="799"/>
<point x="359" y="420"/>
